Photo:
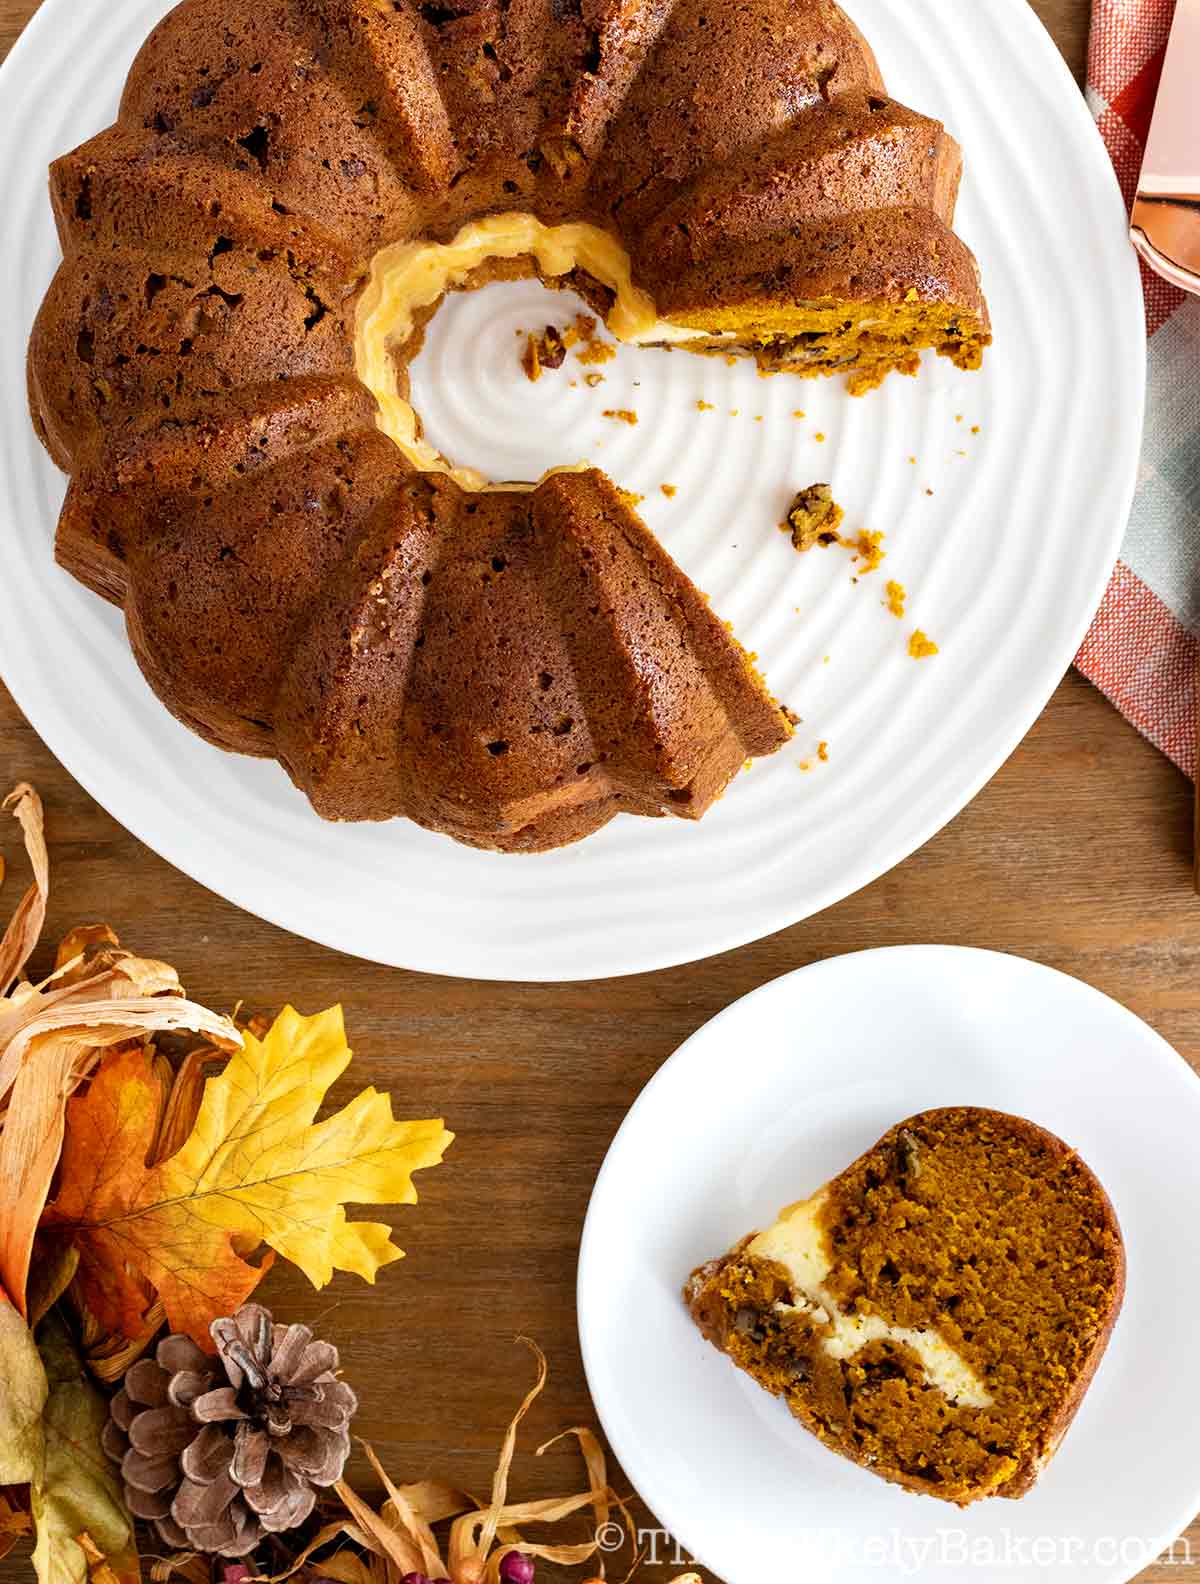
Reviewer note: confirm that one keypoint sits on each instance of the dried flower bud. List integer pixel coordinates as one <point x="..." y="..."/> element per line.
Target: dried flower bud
<point x="516" y="1569"/>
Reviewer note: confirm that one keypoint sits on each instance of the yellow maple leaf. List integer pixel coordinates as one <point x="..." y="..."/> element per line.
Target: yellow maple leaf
<point x="257" y="1162"/>
<point x="257" y="1167"/>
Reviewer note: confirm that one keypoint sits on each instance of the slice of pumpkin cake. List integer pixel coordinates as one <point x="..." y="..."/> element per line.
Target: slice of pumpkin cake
<point x="937" y="1311"/>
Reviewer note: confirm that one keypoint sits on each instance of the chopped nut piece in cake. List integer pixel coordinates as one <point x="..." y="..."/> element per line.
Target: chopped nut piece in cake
<point x="936" y="1312"/>
<point x="551" y="350"/>
<point x="546" y="351"/>
<point x="814" y="516"/>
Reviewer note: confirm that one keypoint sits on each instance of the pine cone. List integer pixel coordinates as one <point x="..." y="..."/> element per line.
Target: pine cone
<point x="217" y="1452"/>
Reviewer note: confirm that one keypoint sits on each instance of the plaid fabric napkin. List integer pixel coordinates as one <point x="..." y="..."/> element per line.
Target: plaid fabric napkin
<point x="1142" y="647"/>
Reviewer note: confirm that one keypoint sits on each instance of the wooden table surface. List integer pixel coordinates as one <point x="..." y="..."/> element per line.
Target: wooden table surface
<point x="1077" y="854"/>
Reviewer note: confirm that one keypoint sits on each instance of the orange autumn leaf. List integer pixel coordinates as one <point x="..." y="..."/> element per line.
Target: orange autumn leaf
<point x="52" y="1065"/>
<point x="52" y="1036"/>
<point x="129" y="1236"/>
<point x="15" y="1523"/>
<point x="256" y="1167"/>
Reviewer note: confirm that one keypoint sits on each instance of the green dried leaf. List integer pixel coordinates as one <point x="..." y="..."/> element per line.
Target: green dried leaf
<point x="78" y="1491"/>
<point x="22" y="1398"/>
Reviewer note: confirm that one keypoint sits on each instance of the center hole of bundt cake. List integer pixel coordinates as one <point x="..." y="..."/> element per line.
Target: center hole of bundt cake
<point x="408" y="281"/>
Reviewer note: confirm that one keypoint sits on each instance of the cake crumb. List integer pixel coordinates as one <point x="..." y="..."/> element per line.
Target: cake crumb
<point x="592" y="349"/>
<point x="823" y="752"/>
<point x="631" y="498"/>
<point x="592" y="380"/>
<point x="868" y="549"/>
<point x="546" y="351"/>
<point x="813" y="517"/>
<point x="819" y="437"/>
<point x="974" y="428"/>
<point x="703" y="406"/>
<point x="621" y="414"/>
<point x="669" y="490"/>
<point x="920" y="647"/>
<point x="597" y="352"/>
<point x="799" y="413"/>
<point x="896" y="596"/>
<point x="531" y="362"/>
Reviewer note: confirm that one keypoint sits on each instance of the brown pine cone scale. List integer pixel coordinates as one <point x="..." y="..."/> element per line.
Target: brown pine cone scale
<point x="216" y="1452"/>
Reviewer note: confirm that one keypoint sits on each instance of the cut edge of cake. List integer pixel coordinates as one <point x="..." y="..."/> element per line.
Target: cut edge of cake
<point x="783" y="1305"/>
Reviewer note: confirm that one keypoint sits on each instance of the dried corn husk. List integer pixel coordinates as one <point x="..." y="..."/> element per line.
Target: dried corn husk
<point x="99" y="1571"/>
<point x="188" y="1565"/>
<point x="53" y="1034"/>
<point x="399" y="1537"/>
<point x="24" y="931"/>
<point x="108" y="1356"/>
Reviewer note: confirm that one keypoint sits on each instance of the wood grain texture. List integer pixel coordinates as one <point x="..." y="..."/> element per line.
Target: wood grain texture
<point x="1077" y="854"/>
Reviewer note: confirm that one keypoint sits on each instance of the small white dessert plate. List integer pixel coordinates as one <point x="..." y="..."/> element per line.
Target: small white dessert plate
<point x="774" y="1097"/>
<point x="1003" y="496"/>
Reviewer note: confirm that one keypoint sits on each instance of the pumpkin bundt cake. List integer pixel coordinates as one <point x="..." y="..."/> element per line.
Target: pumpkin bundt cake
<point x="935" y="1313"/>
<point x="250" y="256"/>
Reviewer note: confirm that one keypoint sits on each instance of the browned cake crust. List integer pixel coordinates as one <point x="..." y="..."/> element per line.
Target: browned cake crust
<point x="192" y="367"/>
<point x="510" y="669"/>
<point x="979" y="1231"/>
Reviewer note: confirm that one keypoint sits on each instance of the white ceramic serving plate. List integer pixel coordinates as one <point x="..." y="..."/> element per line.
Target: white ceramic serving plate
<point x="770" y="1100"/>
<point x="1004" y="562"/>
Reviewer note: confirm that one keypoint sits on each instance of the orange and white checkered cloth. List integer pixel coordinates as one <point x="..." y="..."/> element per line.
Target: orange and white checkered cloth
<point x="1142" y="648"/>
